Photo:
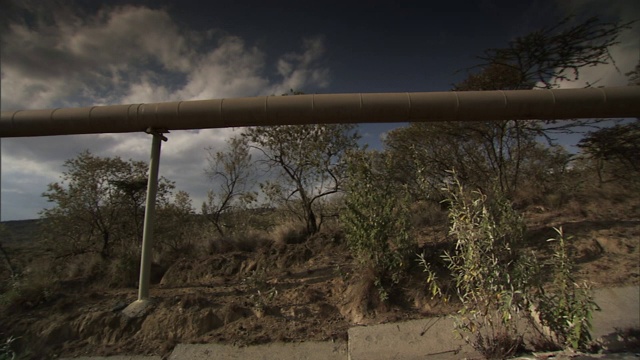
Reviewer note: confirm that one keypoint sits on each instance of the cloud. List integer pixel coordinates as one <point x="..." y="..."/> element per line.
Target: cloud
<point x="64" y="57"/>
<point x="230" y="70"/>
<point x="626" y="53"/>
<point x="299" y="70"/>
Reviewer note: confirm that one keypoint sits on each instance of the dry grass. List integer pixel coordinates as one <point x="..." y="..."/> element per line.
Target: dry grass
<point x="245" y="241"/>
<point x="289" y="232"/>
<point x="36" y="285"/>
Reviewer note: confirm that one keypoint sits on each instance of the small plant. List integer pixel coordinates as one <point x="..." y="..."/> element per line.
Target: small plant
<point x="432" y="278"/>
<point x="262" y="299"/>
<point x="7" y="351"/>
<point x="567" y="310"/>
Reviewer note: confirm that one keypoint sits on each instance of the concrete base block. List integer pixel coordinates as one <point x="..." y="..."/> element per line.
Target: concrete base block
<point x="138" y="308"/>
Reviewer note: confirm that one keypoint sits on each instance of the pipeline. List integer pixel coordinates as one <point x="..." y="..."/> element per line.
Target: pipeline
<point x="613" y="102"/>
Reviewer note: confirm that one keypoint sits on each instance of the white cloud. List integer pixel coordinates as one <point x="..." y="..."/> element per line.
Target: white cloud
<point x="302" y="69"/>
<point x="127" y="54"/>
<point x="229" y="70"/>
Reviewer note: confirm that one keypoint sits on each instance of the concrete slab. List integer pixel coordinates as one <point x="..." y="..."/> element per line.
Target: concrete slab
<point x="431" y="338"/>
<point x="620" y="309"/>
<point x="434" y="338"/>
<point x="282" y="351"/>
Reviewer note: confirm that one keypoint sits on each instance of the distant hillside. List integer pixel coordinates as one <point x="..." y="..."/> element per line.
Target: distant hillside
<point x="20" y="231"/>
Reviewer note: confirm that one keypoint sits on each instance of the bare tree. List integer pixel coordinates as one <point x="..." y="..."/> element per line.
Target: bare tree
<point x="309" y="161"/>
<point x="232" y="171"/>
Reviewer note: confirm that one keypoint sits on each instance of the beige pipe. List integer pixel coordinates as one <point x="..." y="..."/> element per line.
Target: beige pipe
<point x="614" y="102"/>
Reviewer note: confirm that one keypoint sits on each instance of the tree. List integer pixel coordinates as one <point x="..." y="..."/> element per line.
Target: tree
<point x="496" y="151"/>
<point x="309" y="160"/>
<point x="544" y="58"/>
<point x="617" y="148"/>
<point x="233" y="170"/>
<point x="97" y="205"/>
<point x="634" y="75"/>
<point x="553" y="55"/>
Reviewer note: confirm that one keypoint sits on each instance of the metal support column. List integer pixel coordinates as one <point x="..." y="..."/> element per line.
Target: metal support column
<point x="140" y="306"/>
<point x="149" y="214"/>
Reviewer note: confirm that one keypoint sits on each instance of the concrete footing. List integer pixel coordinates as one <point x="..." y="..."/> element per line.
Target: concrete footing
<point x="138" y="308"/>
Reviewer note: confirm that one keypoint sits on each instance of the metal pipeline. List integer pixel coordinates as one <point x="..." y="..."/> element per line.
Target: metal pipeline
<point x="614" y="102"/>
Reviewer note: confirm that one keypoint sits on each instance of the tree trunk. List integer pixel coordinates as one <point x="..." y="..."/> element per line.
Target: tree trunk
<point x="312" y="225"/>
<point x="104" y="253"/>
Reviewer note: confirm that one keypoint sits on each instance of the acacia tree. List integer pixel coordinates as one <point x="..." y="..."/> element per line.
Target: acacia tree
<point x="484" y="152"/>
<point x="309" y="160"/>
<point x="615" y="150"/>
<point x="97" y="204"/>
<point x="555" y="54"/>
<point x="233" y="171"/>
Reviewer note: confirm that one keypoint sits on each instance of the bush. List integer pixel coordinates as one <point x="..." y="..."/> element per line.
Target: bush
<point x="124" y="270"/>
<point x="35" y="286"/>
<point x="376" y="220"/>
<point x="568" y="308"/>
<point x="490" y="273"/>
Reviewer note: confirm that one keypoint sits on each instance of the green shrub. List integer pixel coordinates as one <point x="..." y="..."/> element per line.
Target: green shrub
<point x="567" y="309"/>
<point x="490" y="272"/>
<point x="376" y="220"/>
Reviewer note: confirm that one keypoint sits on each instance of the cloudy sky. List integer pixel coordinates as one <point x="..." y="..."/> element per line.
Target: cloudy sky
<point x="80" y="53"/>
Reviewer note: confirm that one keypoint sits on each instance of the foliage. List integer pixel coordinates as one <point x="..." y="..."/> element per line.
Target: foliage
<point x="490" y="272"/>
<point x="545" y="58"/>
<point x="31" y="288"/>
<point x="98" y="205"/>
<point x="554" y="54"/>
<point x="481" y="153"/>
<point x="549" y="177"/>
<point x="174" y="224"/>
<point x="500" y="151"/>
<point x="234" y="172"/>
<point x="615" y="151"/>
<point x="634" y="75"/>
<point x="376" y="219"/>
<point x="567" y="310"/>
<point x="5" y="234"/>
<point x="7" y="351"/>
<point x="309" y="160"/>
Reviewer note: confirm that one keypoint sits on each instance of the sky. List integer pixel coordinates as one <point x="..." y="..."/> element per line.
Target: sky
<point x="83" y="53"/>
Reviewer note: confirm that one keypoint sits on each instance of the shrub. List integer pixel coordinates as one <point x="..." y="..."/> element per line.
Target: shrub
<point x="124" y="270"/>
<point x="568" y="308"/>
<point x="36" y="285"/>
<point x="376" y="220"/>
<point x="490" y="272"/>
